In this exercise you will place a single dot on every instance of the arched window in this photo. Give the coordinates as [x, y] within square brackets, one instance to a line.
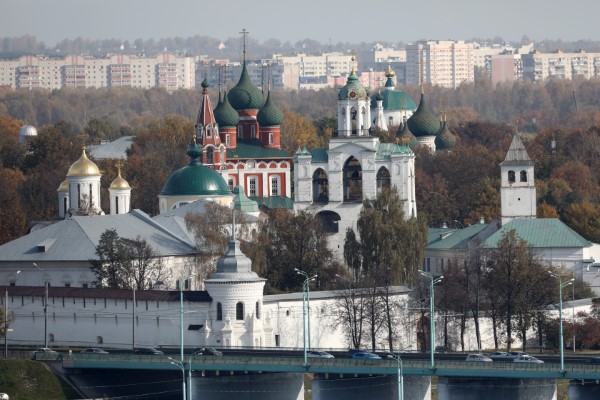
[239, 311]
[352, 180]
[383, 179]
[252, 186]
[275, 185]
[257, 310]
[320, 186]
[511, 176]
[523, 176]
[210, 155]
[219, 312]
[230, 183]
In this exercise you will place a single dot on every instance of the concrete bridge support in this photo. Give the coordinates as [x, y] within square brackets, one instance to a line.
[496, 389]
[584, 390]
[361, 387]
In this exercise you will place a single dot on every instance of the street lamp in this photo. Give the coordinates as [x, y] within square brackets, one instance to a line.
[561, 285]
[182, 367]
[306, 306]
[431, 312]
[6, 321]
[45, 307]
[400, 378]
[181, 280]
[190, 376]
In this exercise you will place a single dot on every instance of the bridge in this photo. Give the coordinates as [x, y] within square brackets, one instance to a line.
[343, 366]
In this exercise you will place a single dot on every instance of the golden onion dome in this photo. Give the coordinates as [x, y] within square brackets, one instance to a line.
[119, 183]
[83, 167]
[389, 73]
[64, 187]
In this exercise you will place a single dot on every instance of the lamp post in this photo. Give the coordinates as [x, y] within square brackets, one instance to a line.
[431, 313]
[400, 378]
[181, 280]
[306, 307]
[6, 321]
[182, 367]
[45, 307]
[561, 285]
[190, 376]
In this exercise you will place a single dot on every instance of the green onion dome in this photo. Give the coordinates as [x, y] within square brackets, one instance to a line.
[269, 115]
[353, 89]
[445, 140]
[204, 83]
[244, 95]
[225, 115]
[405, 137]
[423, 122]
[195, 179]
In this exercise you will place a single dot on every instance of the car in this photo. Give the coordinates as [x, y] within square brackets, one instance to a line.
[94, 350]
[388, 356]
[319, 354]
[43, 351]
[528, 359]
[595, 360]
[501, 356]
[365, 355]
[148, 350]
[207, 351]
[516, 354]
[478, 358]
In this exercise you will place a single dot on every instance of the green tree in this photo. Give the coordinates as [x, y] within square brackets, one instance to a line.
[113, 265]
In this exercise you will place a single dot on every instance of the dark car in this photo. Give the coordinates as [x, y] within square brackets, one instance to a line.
[365, 355]
[94, 350]
[207, 351]
[147, 350]
[595, 360]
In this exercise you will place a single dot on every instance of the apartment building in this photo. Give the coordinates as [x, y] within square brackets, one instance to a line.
[166, 70]
[539, 66]
[446, 63]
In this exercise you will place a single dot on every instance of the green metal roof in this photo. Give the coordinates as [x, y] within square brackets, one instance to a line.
[540, 233]
[243, 203]
[445, 140]
[423, 122]
[253, 149]
[353, 89]
[394, 100]
[274, 202]
[224, 113]
[244, 95]
[269, 115]
[385, 150]
[452, 238]
[319, 155]
[405, 137]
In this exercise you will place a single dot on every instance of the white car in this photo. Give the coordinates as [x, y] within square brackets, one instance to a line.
[528, 359]
[319, 354]
[478, 357]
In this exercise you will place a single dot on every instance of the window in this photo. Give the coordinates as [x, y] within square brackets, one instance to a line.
[257, 310]
[219, 312]
[210, 155]
[511, 176]
[274, 186]
[253, 132]
[230, 184]
[252, 184]
[227, 140]
[523, 176]
[239, 311]
[271, 139]
[239, 131]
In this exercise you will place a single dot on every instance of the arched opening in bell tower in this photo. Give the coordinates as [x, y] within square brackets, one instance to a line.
[352, 181]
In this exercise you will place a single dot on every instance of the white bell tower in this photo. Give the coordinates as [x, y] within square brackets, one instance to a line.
[517, 187]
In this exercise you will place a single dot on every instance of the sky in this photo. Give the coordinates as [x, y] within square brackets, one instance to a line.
[323, 20]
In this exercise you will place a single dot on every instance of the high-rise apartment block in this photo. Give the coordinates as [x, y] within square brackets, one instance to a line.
[166, 70]
[446, 63]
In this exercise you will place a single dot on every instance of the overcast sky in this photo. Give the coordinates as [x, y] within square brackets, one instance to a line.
[323, 20]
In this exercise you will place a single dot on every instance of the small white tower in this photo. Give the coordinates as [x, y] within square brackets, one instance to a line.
[120, 194]
[380, 121]
[84, 186]
[354, 109]
[63, 199]
[517, 186]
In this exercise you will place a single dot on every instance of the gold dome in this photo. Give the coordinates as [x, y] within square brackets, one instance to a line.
[83, 167]
[64, 187]
[389, 73]
[120, 183]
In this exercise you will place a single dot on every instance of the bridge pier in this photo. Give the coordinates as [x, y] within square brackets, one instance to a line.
[496, 389]
[361, 387]
[584, 389]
